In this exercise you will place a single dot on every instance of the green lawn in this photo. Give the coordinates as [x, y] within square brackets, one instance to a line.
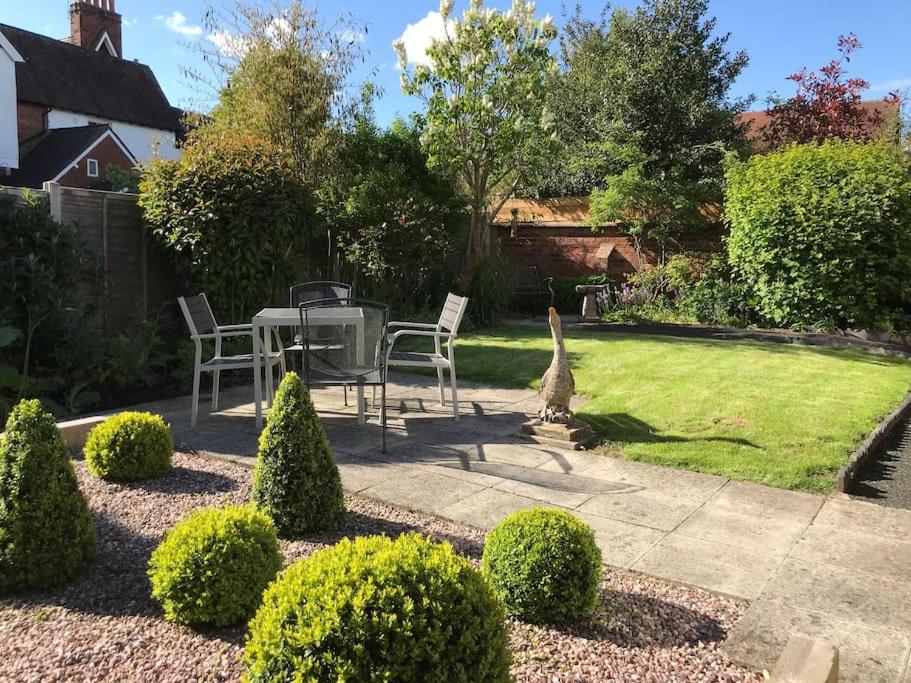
[776, 414]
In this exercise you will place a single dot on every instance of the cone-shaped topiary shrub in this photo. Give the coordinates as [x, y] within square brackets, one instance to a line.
[213, 566]
[46, 531]
[295, 480]
[544, 565]
[129, 446]
[373, 609]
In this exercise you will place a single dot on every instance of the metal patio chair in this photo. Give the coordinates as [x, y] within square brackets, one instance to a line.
[201, 321]
[319, 290]
[361, 359]
[447, 327]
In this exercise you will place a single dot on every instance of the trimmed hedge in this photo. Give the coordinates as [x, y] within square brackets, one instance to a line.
[46, 531]
[820, 234]
[129, 446]
[295, 480]
[213, 566]
[544, 565]
[373, 609]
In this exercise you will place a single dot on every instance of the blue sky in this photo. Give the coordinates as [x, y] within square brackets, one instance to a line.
[780, 36]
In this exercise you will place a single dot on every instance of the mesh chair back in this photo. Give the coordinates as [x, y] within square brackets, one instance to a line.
[318, 291]
[453, 310]
[198, 314]
[361, 358]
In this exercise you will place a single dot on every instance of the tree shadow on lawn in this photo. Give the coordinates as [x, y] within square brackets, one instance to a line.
[623, 427]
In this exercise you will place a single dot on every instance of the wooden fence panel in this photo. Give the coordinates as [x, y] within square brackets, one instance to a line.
[138, 277]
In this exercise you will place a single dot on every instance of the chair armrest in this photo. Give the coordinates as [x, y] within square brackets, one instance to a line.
[547, 282]
[236, 328]
[398, 323]
[421, 333]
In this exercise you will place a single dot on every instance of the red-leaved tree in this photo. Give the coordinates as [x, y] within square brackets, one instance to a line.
[827, 105]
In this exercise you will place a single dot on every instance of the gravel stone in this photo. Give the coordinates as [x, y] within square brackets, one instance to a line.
[104, 626]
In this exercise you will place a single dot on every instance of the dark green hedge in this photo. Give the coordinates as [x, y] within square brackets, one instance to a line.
[544, 565]
[296, 481]
[821, 234]
[46, 531]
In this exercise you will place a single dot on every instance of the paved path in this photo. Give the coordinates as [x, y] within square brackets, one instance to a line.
[835, 568]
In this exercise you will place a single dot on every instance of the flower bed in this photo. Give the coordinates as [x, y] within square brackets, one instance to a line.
[105, 626]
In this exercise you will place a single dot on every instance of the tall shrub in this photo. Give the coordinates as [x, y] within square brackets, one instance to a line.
[46, 530]
[295, 480]
[820, 234]
[233, 212]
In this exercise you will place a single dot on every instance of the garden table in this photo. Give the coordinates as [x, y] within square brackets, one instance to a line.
[268, 318]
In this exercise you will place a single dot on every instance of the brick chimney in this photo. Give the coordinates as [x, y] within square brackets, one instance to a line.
[91, 21]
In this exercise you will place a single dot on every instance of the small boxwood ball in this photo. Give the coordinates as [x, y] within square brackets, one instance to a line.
[129, 446]
[544, 565]
[373, 609]
[213, 566]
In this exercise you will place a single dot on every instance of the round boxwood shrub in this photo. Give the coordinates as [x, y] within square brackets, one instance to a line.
[544, 565]
[213, 566]
[129, 446]
[46, 530]
[295, 480]
[373, 609]
[819, 234]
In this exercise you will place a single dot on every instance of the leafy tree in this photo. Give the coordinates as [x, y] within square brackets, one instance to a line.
[232, 211]
[397, 221]
[827, 105]
[485, 120]
[579, 99]
[668, 74]
[279, 72]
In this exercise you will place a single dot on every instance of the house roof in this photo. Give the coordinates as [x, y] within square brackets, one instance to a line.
[59, 75]
[757, 121]
[57, 150]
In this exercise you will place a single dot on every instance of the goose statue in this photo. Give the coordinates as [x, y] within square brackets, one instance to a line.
[557, 384]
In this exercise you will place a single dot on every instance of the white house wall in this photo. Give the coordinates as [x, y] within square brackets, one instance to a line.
[143, 143]
[9, 132]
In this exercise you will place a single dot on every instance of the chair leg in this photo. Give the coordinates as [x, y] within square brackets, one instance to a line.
[215, 375]
[373, 400]
[455, 392]
[383, 415]
[194, 409]
[441, 383]
[346, 395]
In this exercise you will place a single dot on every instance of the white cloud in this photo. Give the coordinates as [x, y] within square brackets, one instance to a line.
[889, 86]
[177, 22]
[130, 23]
[235, 45]
[351, 36]
[417, 37]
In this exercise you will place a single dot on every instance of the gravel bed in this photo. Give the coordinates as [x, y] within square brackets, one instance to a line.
[886, 476]
[105, 626]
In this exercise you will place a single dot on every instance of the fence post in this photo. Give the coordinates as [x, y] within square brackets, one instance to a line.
[53, 198]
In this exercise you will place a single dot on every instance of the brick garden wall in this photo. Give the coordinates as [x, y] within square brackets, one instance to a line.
[553, 236]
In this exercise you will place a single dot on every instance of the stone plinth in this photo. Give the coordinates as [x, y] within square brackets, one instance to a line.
[574, 435]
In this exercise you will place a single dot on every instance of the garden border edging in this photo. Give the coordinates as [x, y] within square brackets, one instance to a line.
[845, 477]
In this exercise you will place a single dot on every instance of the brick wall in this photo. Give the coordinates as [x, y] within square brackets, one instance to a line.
[87, 21]
[31, 120]
[105, 152]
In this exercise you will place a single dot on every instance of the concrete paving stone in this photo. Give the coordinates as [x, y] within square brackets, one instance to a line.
[420, 490]
[486, 508]
[850, 514]
[621, 544]
[845, 594]
[881, 556]
[662, 506]
[866, 655]
[571, 462]
[359, 474]
[753, 517]
[724, 569]
[566, 499]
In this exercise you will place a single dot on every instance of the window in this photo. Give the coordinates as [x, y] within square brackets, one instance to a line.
[91, 168]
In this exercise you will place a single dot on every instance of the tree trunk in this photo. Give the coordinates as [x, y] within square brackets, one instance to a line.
[478, 245]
